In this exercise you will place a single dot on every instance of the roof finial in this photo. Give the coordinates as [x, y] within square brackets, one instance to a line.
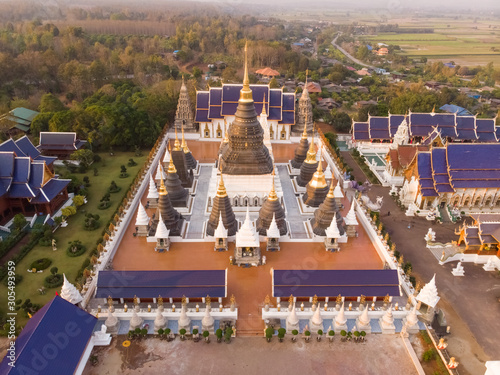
[226, 135]
[434, 109]
[163, 189]
[221, 190]
[184, 145]
[272, 195]
[246, 92]
[330, 192]
[177, 145]
[264, 105]
[307, 73]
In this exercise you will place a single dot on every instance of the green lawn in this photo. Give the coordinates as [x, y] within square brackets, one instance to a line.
[108, 169]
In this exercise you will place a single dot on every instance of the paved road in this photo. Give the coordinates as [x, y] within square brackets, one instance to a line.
[293, 215]
[350, 57]
[198, 217]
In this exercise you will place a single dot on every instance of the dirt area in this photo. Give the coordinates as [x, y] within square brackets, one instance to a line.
[422, 343]
[380, 355]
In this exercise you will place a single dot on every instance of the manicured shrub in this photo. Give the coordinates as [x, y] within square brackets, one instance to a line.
[41, 264]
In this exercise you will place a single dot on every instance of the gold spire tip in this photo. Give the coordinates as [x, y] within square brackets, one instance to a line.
[221, 189]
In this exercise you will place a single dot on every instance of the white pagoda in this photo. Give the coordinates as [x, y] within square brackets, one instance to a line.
[69, 292]
[247, 249]
[142, 221]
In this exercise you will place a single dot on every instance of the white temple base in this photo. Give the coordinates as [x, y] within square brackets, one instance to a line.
[339, 328]
[411, 329]
[291, 170]
[458, 272]
[387, 329]
[361, 327]
[291, 327]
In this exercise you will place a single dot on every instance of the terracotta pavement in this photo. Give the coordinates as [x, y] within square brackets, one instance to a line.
[249, 285]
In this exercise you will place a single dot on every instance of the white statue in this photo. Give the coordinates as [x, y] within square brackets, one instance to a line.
[372, 206]
[430, 236]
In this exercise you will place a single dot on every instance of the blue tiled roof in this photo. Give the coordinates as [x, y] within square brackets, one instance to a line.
[53, 340]
[10, 145]
[485, 130]
[394, 122]
[47, 159]
[36, 175]
[168, 284]
[202, 106]
[379, 127]
[471, 156]
[360, 131]
[21, 190]
[27, 147]
[329, 283]
[22, 169]
[223, 101]
[424, 165]
[50, 190]
[6, 164]
[466, 126]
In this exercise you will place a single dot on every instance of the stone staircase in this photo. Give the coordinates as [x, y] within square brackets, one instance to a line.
[250, 326]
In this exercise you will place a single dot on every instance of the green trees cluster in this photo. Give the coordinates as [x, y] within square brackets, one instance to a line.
[118, 115]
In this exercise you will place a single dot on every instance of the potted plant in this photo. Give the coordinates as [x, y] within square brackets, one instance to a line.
[307, 335]
[167, 332]
[218, 333]
[320, 334]
[294, 333]
[269, 334]
[206, 335]
[281, 334]
[343, 333]
[182, 332]
[196, 336]
[356, 335]
[349, 336]
[227, 335]
[160, 333]
[363, 334]
[331, 333]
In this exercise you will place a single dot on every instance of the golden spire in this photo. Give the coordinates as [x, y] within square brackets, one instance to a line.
[246, 92]
[311, 153]
[221, 190]
[330, 192]
[184, 144]
[177, 145]
[272, 195]
[307, 73]
[171, 167]
[318, 181]
[304, 133]
[264, 105]
[226, 135]
[434, 109]
[163, 189]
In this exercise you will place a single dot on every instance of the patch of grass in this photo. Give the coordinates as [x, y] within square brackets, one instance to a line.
[109, 168]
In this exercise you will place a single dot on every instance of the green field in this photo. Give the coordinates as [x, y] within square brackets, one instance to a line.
[108, 169]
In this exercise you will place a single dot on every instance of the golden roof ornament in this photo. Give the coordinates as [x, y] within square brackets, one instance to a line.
[232, 299]
[330, 192]
[304, 132]
[177, 145]
[163, 189]
[221, 189]
[290, 299]
[401, 260]
[160, 301]
[184, 143]
[362, 300]
[226, 135]
[387, 298]
[184, 300]
[110, 302]
[264, 105]
[272, 195]
[318, 180]
[171, 166]
[267, 300]
[315, 300]
[338, 299]
[208, 300]
[393, 247]
[246, 92]
[311, 153]
[136, 301]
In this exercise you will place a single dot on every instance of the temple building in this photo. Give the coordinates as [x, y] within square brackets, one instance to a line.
[465, 176]
[245, 162]
[23, 147]
[221, 208]
[29, 187]
[420, 125]
[184, 114]
[317, 188]
[172, 219]
[271, 210]
[326, 213]
[218, 105]
[304, 116]
[301, 151]
[178, 156]
[59, 144]
[247, 247]
[483, 234]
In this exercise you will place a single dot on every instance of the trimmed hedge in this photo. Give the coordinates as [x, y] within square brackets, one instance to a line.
[7, 244]
[41, 264]
[53, 281]
[24, 251]
[80, 249]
